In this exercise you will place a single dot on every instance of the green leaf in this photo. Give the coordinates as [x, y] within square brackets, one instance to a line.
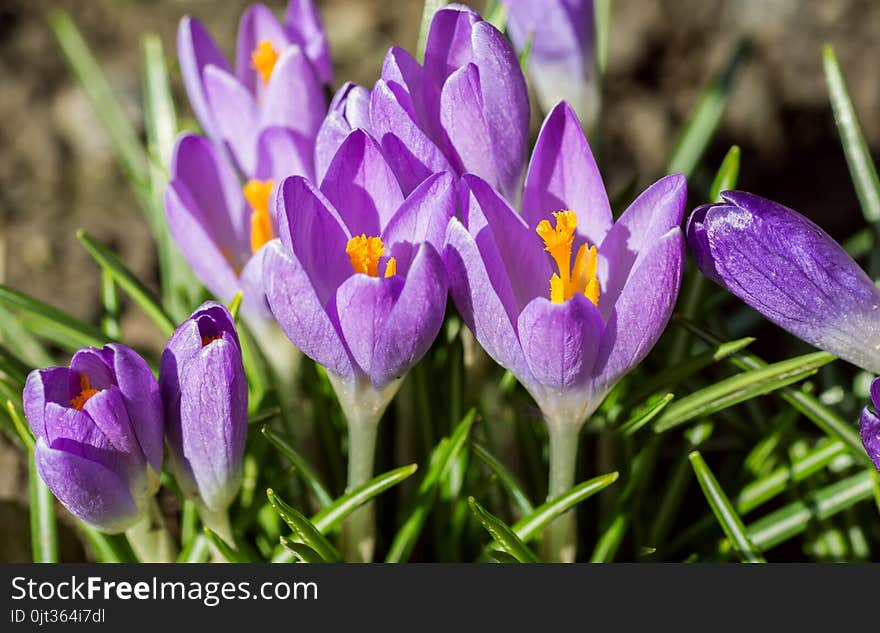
[301, 551]
[309, 474]
[501, 557]
[329, 517]
[111, 113]
[645, 414]
[529, 526]
[132, 286]
[727, 175]
[858, 155]
[728, 518]
[107, 548]
[503, 535]
[44, 534]
[703, 120]
[23, 430]
[110, 301]
[69, 330]
[235, 305]
[431, 7]
[495, 14]
[303, 529]
[505, 477]
[602, 12]
[21, 343]
[197, 550]
[793, 519]
[228, 552]
[609, 542]
[443, 457]
[739, 388]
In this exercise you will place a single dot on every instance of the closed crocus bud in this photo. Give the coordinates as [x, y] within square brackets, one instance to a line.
[98, 425]
[204, 391]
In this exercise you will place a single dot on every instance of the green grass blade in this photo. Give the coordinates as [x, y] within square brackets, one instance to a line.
[44, 534]
[643, 415]
[727, 175]
[69, 330]
[739, 388]
[23, 430]
[727, 517]
[197, 550]
[858, 156]
[228, 552]
[329, 517]
[305, 470]
[132, 286]
[610, 540]
[703, 120]
[108, 548]
[303, 529]
[602, 11]
[112, 308]
[505, 537]
[21, 343]
[431, 7]
[505, 478]
[301, 551]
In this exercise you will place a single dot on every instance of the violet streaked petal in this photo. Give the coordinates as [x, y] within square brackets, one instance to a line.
[299, 312]
[795, 274]
[281, 152]
[506, 104]
[478, 297]
[641, 312]
[90, 362]
[90, 491]
[421, 218]
[74, 431]
[520, 250]
[196, 50]
[463, 121]
[253, 301]
[257, 24]
[563, 174]
[41, 387]
[875, 393]
[414, 320]
[235, 114]
[303, 24]
[312, 229]
[869, 430]
[294, 98]
[448, 45]
[657, 210]
[109, 415]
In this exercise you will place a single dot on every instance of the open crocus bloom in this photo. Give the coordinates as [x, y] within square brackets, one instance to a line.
[869, 425]
[277, 82]
[99, 427]
[561, 295]
[356, 281]
[451, 113]
[792, 272]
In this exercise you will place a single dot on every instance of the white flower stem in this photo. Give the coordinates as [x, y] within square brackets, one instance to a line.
[559, 543]
[150, 539]
[359, 528]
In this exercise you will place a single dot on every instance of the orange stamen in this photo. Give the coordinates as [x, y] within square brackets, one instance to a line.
[257, 193]
[558, 241]
[263, 59]
[85, 392]
[365, 252]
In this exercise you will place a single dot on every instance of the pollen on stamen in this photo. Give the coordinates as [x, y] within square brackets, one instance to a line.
[257, 193]
[207, 340]
[558, 242]
[263, 59]
[85, 392]
[365, 252]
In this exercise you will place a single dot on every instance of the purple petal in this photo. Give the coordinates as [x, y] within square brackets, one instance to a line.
[92, 363]
[361, 185]
[311, 228]
[44, 386]
[281, 152]
[563, 175]
[304, 26]
[109, 415]
[418, 95]
[197, 50]
[253, 300]
[560, 342]
[299, 312]
[875, 392]
[90, 491]
[421, 218]
[258, 24]
[869, 429]
[641, 312]
[657, 210]
[349, 109]
[448, 46]
[414, 320]
[463, 120]
[520, 249]
[294, 97]
[483, 296]
[793, 273]
[235, 115]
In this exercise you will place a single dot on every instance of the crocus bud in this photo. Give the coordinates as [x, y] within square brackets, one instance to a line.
[98, 426]
[204, 391]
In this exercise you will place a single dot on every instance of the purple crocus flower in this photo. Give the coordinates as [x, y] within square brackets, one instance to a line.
[277, 81]
[450, 113]
[204, 391]
[349, 110]
[869, 425]
[792, 272]
[98, 425]
[561, 59]
[561, 295]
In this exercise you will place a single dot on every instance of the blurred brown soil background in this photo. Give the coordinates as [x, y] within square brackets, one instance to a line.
[58, 171]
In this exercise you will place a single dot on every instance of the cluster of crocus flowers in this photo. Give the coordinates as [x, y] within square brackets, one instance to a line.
[100, 425]
[357, 283]
[561, 295]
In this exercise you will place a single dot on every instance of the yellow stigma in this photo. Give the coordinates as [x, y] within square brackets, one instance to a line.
[263, 59]
[257, 192]
[558, 241]
[85, 392]
[365, 253]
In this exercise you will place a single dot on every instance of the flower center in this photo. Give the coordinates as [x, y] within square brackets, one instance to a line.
[257, 192]
[365, 253]
[207, 340]
[580, 278]
[85, 392]
[263, 59]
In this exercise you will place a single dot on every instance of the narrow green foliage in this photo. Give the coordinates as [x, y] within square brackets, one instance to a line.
[727, 175]
[645, 414]
[44, 533]
[503, 535]
[227, 551]
[431, 7]
[304, 530]
[61, 327]
[302, 466]
[505, 478]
